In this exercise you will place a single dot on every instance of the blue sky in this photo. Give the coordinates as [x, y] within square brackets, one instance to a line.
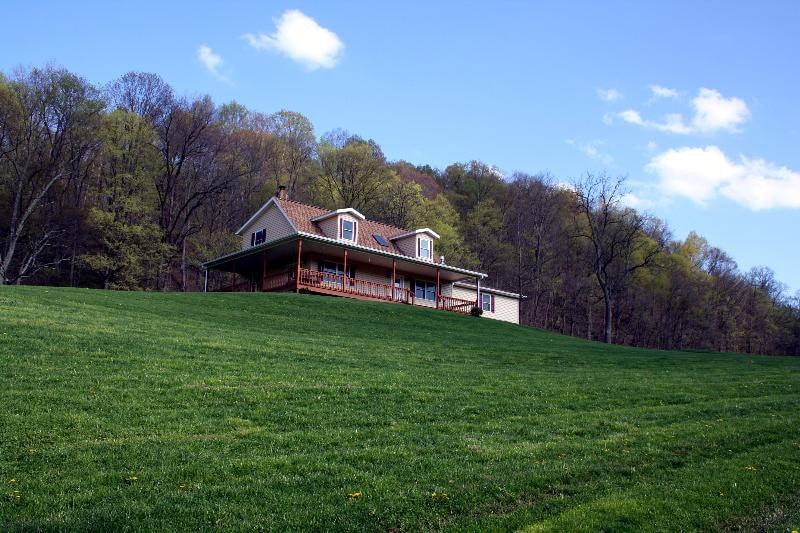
[696, 102]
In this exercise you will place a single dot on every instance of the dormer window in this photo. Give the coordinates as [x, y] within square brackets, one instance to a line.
[424, 248]
[347, 229]
[258, 237]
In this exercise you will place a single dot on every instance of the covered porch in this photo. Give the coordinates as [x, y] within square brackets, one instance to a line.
[323, 266]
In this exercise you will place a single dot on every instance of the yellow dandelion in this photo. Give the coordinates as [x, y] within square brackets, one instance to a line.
[354, 494]
[721, 493]
[13, 481]
[750, 468]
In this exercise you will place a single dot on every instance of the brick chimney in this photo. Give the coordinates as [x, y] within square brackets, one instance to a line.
[281, 193]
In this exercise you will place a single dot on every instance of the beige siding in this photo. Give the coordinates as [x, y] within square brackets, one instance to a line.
[330, 226]
[506, 308]
[408, 245]
[273, 221]
[463, 293]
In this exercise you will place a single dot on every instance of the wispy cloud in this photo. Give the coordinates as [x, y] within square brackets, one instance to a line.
[592, 151]
[701, 174]
[712, 112]
[609, 95]
[302, 39]
[673, 122]
[212, 61]
[662, 92]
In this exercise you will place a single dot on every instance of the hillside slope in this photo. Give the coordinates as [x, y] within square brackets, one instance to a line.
[279, 411]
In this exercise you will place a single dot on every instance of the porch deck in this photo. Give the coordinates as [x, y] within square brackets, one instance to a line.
[339, 285]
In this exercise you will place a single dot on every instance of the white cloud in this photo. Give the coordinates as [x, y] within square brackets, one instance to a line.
[712, 112]
[636, 202]
[609, 95]
[299, 37]
[592, 151]
[673, 122]
[663, 92]
[702, 174]
[211, 61]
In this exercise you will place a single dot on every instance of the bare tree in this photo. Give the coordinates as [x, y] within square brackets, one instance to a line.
[143, 93]
[46, 119]
[616, 236]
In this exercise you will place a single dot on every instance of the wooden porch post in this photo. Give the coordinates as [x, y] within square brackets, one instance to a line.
[263, 270]
[438, 288]
[205, 281]
[478, 295]
[297, 278]
[394, 279]
[344, 276]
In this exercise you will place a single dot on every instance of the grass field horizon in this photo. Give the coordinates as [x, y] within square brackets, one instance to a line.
[135, 410]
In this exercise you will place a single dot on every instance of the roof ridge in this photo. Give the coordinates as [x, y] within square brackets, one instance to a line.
[331, 210]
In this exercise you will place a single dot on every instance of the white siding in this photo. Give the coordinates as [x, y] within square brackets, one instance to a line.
[273, 221]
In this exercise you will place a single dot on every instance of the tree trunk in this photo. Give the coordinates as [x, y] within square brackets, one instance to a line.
[183, 266]
[608, 317]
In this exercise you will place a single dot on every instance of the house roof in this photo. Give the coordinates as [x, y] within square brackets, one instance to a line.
[303, 217]
[490, 290]
[345, 211]
[428, 231]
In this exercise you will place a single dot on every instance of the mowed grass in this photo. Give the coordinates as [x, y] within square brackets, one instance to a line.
[148, 411]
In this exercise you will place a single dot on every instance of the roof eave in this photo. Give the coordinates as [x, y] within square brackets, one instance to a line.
[319, 238]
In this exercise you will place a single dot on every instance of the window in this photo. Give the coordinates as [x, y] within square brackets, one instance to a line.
[424, 248]
[329, 267]
[258, 237]
[348, 229]
[380, 240]
[487, 301]
[425, 290]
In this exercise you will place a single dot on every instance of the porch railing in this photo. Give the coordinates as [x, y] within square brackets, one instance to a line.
[277, 281]
[354, 286]
[240, 286]
[457, 305]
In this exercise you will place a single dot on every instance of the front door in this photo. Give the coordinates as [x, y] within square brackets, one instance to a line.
[399, 285]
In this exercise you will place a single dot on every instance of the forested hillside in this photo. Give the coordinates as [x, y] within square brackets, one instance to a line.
[130, 186]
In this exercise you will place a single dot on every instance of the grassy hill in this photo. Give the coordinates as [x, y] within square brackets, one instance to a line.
[279, 411]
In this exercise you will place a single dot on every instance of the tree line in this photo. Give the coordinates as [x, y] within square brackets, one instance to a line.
[130, 186]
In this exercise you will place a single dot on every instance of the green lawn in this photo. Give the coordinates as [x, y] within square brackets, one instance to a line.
[246, 411]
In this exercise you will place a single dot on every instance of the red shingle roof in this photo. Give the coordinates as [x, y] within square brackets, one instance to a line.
[301, 214]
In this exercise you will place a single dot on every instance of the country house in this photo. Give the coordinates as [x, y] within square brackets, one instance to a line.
[288, 245]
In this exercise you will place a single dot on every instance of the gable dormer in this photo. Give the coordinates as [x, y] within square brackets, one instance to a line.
[417, 244]
[342, 224]
[267, 224]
